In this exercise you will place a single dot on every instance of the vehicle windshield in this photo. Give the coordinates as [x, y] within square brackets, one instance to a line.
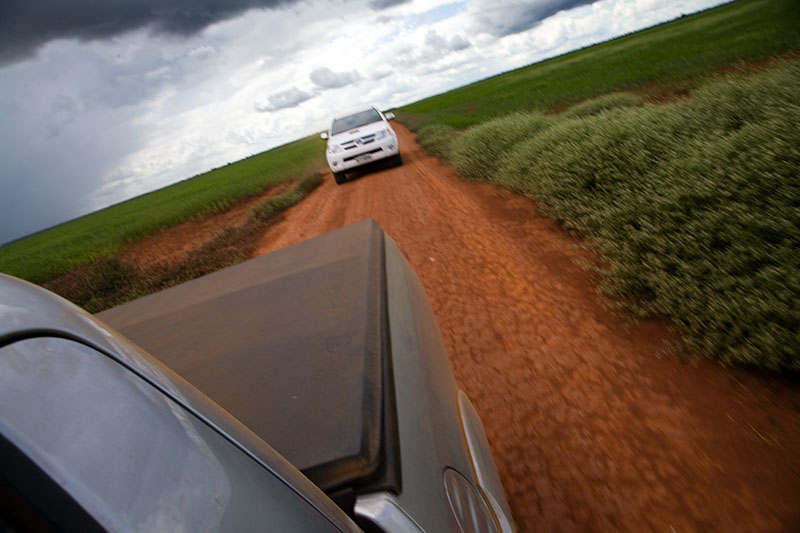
[354, 121]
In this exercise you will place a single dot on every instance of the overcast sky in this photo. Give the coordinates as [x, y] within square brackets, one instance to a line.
[101, 101]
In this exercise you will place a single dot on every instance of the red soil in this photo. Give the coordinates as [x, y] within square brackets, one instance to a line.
[594, 424]
[173, 244]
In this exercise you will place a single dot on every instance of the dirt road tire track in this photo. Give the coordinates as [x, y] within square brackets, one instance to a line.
[592, 428]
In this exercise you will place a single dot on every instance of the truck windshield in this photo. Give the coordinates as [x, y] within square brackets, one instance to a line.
[354, 121]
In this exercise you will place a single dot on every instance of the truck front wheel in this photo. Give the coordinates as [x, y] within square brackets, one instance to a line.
[339, 177]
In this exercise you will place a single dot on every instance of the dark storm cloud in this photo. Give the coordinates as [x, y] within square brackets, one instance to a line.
[284, 99]
[514, 16]
[325, 78]
[383, 4]
[27, 24]
[49, 178]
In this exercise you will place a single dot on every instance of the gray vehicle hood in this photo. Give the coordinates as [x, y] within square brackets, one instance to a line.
[291, 343]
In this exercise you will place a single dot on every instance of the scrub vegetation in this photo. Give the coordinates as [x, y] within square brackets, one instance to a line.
[479, 149]
[49, 253]
[602, 103]
[109, 281]
[676, 151]
[694, 204]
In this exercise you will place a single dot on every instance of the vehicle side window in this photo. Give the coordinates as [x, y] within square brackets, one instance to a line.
[126, 454]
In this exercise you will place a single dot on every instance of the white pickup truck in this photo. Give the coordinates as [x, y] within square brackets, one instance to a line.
[359, 138]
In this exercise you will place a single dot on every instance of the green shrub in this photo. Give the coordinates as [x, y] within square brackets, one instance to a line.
[728, 104]
[309, 183]
[579, 166]
[273, 207]
[602, 103]
[722, 255]
[436, 139]
[695, 205]
[480, 149]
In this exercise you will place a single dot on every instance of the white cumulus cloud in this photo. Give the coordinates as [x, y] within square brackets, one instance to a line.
[281, 100]
[325, 78]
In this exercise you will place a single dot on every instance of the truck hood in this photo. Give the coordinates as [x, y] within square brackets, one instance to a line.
[358, 133]
[293, 344]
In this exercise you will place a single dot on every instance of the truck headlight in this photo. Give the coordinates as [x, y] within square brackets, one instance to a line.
[334, 148]
[381, 134]
[467, 504]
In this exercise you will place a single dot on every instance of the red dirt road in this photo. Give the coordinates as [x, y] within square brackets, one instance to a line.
[593, 428]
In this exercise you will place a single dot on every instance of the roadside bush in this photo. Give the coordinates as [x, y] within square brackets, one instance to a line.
[580, 167]
[729, 104]
[229, 246]
[695, 206]
[479, 150]
[721, 254]
[437, 139]
[309, 183]
[602, 103]
[273, 207]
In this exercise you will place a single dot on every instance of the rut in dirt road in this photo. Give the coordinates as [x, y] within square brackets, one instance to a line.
[593, 428]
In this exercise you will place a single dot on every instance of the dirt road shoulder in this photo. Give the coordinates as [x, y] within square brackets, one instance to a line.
[593, 427]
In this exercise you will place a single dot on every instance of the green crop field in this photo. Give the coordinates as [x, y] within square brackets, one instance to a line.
[693, 202]
[110, 280]
[675, 150]
[665, 59]
[46, 254]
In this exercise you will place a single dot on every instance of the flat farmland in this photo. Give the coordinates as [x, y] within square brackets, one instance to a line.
[44, 255]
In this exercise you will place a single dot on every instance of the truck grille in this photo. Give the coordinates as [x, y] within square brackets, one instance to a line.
[363, 153]
[361, 141]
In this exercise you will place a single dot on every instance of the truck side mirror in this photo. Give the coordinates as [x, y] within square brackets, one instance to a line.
[323, 136]
[389, 115]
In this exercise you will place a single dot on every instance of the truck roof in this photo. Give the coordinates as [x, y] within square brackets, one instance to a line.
[354, 111]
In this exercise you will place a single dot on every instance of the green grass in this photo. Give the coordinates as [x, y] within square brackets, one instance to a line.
[47, 254]
[273, 207]
[109, 281]
[694, 205]
[669, 58]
